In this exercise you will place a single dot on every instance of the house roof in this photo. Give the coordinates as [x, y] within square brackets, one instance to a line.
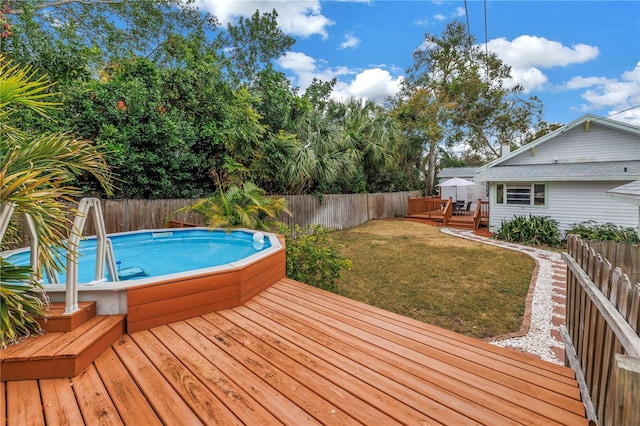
[628, 193]
[589, 118]
[605, 170]
[460, 172]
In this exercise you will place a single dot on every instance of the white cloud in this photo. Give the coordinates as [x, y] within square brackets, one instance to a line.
[616, 95]
[460, 12]
[530, 51]
[577, 83]
[350, 41]
[528, 55]
[373, 83]
[299, 18]
[297, 62]
[439, 17]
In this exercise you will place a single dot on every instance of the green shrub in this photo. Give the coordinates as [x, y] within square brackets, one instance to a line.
[590, 230]
[313, 257]
[533, 230]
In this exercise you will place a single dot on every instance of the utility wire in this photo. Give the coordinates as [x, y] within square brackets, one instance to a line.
[486, 33]
[466, 12]
[624, 110]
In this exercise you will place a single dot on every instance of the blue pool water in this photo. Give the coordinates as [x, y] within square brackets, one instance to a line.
[151, 254]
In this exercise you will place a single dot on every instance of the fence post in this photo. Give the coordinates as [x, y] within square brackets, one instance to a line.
[627, 392]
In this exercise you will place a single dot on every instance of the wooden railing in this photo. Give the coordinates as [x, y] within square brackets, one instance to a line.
[426, 205]
[601, 336]
[447, 210]
[481, 214]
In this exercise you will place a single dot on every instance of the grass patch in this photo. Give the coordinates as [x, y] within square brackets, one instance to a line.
[416, 271]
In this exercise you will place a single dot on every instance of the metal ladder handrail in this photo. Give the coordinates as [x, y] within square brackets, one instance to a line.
[5, 214]
[104, 251]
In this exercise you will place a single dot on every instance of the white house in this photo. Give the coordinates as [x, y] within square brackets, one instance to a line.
[568, 175]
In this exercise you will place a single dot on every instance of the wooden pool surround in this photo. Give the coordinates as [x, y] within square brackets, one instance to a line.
[167, 301]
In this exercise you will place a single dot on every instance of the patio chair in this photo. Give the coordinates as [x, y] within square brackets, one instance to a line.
[458, 207]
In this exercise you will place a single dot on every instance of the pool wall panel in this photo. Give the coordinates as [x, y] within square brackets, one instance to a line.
[261, 275]
[166, 289]
[155, 304]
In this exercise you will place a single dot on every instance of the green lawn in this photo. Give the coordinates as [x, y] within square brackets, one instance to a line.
[415, 270]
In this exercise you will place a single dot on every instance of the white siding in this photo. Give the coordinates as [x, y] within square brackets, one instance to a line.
[569, 203]
[598, 144]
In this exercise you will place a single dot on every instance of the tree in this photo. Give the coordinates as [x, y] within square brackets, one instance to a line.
[251, 45]
[417, 113]
[370, 137]
[37, 173]
[75, 39]
[463, 89]
[317, 155]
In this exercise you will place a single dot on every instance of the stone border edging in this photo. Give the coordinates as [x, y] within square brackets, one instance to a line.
[535, 336]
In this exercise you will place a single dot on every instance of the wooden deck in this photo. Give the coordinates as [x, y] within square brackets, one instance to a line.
[298, 355]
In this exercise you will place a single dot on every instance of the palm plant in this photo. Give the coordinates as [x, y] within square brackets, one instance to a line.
[245, 206]
[319, 156]
[37, 176]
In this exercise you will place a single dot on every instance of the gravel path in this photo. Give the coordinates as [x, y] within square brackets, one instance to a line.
[545, 304]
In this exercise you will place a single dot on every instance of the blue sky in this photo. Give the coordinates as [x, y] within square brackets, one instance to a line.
[578, 57]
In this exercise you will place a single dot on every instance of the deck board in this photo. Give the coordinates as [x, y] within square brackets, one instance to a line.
[471, 362]
[51, 350]
[454, 389]
[59, 402]
[357, 379]
[168, 405]
[294, 354]
[93, 399]
[221, 351]
[427, 331]
[200, 399]
[23, 403]
[124, 392]
[25, 349]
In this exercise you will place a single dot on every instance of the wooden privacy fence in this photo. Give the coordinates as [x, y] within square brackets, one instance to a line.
[603, 322]
[334, 211]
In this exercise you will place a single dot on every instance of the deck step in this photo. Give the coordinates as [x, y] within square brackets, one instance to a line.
[57, 320]
[61, 354]
[460, 224]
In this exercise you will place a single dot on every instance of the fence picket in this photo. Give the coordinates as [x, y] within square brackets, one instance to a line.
[333, 211]
[634, 310]
[603, 318]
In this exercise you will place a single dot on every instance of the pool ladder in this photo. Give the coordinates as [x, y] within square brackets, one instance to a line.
[104, 251]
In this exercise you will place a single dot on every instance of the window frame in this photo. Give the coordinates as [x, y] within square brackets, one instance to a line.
[509, 193]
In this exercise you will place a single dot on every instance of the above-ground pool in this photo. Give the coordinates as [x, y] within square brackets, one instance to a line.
[171, 274]
[144, 254]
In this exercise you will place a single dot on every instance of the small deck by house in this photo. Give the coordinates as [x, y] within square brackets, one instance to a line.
[294, 354]
[449, 213]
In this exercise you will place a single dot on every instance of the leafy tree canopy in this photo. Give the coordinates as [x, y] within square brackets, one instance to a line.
[70, 39]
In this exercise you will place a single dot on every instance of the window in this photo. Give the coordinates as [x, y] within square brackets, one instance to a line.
[518, 194]
[500, 193]
[538, 194]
